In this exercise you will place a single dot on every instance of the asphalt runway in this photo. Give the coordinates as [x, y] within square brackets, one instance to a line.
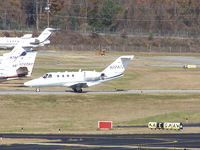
[97, 142]
[176, 59]
[117, 91]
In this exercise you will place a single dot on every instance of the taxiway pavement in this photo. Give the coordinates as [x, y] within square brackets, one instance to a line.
[97, 142]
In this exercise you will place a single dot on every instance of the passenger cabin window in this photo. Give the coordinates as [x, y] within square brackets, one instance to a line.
[72, 75]
[45, 76]
[50, 76]
[58, 76]
[63, 76]
[67, 75]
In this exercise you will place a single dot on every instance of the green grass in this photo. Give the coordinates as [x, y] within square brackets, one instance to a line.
[168, 117]
[72, 112]
[81, 112]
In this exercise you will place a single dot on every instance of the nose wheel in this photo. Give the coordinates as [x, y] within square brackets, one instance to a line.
[37, 89]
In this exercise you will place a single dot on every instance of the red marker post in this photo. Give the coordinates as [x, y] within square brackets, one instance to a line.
[105, 124]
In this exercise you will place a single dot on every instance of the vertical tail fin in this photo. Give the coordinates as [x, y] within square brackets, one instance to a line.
[27, 62]
[16, 52]
[19, 67]
[45, 35]
[118, 66]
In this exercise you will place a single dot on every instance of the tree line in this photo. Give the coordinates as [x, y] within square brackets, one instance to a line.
[111, 15]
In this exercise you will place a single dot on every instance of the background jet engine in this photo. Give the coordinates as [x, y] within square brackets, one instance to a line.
[35, 42]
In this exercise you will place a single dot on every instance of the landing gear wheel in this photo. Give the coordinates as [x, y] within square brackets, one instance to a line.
[77, 90]
[37, 90]
[74, 90]
[80, 91]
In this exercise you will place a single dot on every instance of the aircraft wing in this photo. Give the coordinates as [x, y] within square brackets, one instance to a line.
[27, 36]
[74, 85]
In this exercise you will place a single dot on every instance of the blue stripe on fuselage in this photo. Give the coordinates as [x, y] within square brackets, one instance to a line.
[113, 77]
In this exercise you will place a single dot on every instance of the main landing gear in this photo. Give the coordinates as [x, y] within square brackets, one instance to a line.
[77, 90]
[37, 90]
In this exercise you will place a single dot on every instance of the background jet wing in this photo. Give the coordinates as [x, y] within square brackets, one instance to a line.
[27, 36]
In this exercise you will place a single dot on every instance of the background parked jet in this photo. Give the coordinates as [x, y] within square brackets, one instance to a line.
[82, 79]
[21, 66]
[27, 41]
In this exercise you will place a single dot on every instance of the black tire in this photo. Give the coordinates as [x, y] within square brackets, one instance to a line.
[75, 90]
[80, 91]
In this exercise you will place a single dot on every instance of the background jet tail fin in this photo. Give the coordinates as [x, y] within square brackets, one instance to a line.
[24, 62]
[20, 66]
[118, 66]
[16, 52]
[28, 62]
[45, 35]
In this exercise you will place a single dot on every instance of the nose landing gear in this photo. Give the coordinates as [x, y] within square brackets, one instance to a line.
[37, 89]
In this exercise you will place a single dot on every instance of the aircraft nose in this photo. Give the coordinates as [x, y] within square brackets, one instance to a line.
[28, 83]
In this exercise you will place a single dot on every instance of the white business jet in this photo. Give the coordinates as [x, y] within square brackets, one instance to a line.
[27, 41]
[82, 79]
[18, 67]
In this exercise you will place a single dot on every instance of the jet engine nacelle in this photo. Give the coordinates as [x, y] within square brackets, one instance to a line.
[93, 76]
[35, 42]
[45, 43]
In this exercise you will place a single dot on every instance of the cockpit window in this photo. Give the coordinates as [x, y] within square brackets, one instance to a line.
[45, 76]
[50, 76]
